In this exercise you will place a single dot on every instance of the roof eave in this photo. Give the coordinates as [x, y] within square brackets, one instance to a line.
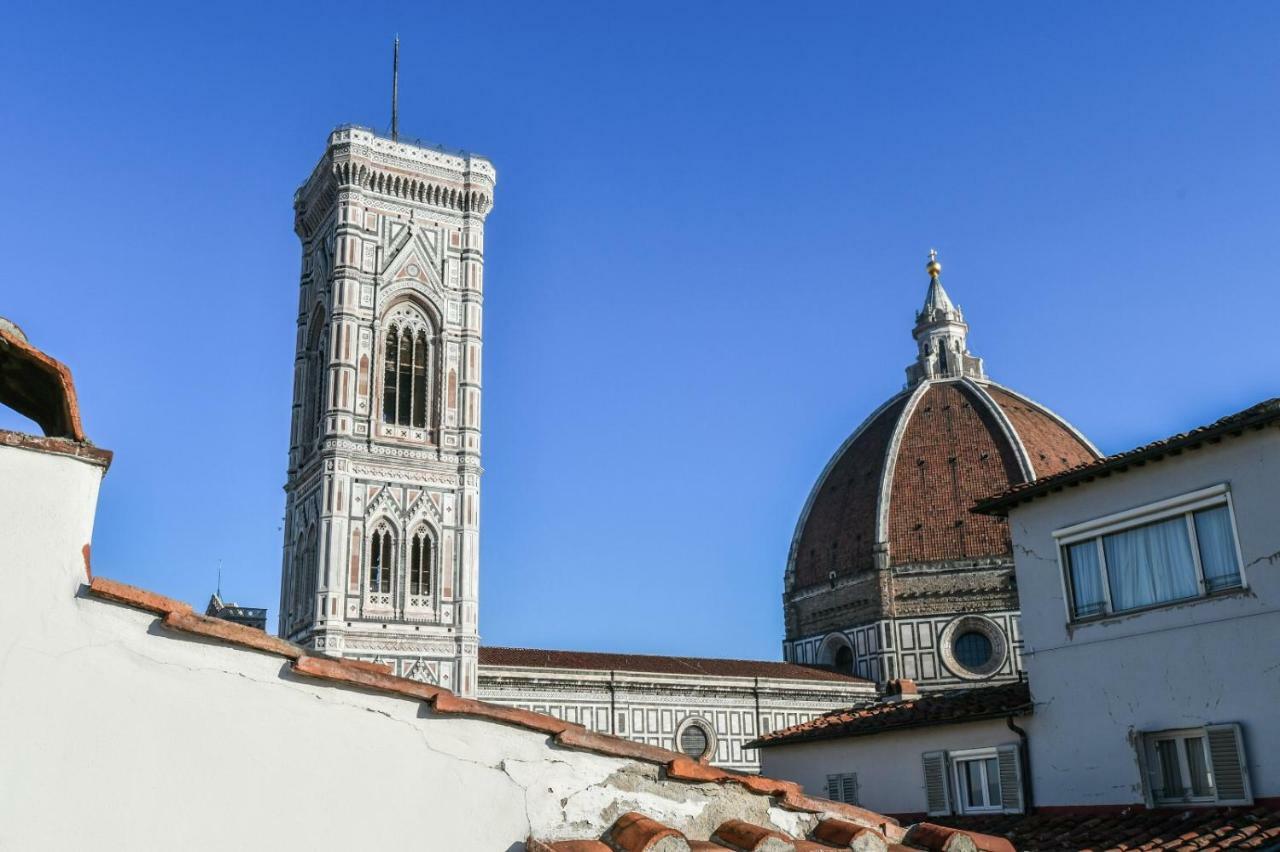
[1020, 710]
[1000, 504]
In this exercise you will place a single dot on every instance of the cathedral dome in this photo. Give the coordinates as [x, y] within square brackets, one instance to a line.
[898, 491]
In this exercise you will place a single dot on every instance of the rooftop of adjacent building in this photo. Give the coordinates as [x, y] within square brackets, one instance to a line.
[654, 664]
[908, 709]
[1251, 419]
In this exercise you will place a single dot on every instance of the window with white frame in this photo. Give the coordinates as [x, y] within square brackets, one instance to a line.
[1175, 550]
[843, 787]
[973, 781]
[1196, 766]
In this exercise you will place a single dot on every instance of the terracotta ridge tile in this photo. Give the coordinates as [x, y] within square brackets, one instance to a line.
[57, 446]
[328, 668]
[123, 593]
[766, 786]
[229, 631]
[686, 769]
[850, 835]
[941, 838]
[740, 834]
[449, 703]
[614, 746]
[379, 668]
[885, 824]
[533, 845]
[634, 832]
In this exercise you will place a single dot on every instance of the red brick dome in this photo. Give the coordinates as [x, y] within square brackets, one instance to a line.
[903, 483]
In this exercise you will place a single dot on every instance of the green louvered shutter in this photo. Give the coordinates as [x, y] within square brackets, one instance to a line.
[1226, 757]
[1010, 760]
[937, 800]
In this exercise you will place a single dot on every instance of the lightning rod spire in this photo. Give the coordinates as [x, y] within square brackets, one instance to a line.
[395, 91]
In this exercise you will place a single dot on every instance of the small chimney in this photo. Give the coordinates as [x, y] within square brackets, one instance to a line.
[901, 689]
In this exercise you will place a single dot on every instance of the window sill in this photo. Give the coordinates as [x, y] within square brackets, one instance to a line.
[1199, 802]
[1107, 617]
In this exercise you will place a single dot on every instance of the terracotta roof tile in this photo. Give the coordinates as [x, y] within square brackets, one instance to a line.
[123, 593]
[1255, 417]
[652, 664]
[635, 831]
[935, 708]
[1135, 828]
[927, 835]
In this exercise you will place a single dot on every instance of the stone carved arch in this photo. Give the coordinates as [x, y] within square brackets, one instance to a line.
[382, 560]
[837, 652]
[384, 503]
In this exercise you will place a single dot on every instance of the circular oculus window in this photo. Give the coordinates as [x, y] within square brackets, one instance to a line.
[695, 739]
[974, 647]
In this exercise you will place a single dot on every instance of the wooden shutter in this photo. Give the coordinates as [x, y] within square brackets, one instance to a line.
[1226, 759]
[1010, 759]
[843, 787]
[1142, 744]
[937, 800]
[849, 788]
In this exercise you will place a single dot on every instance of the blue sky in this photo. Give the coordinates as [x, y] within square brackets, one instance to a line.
[708, 243]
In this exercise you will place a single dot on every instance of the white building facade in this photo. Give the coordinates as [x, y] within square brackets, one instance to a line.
[708, 709]
[381, 548]
[1150, 589]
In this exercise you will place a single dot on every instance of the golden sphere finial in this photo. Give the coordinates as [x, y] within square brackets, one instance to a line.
[933, 267]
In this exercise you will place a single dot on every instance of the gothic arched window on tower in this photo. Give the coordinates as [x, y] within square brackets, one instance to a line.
[419, 567]
[313, 404]
[404, 379]
[382, 560]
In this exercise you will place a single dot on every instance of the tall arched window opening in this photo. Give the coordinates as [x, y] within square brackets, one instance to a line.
[310, 586]
[420, 564]
[382, 549]
[406, 368]
[313, 402]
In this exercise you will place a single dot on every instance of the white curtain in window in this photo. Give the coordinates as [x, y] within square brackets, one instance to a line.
[1150, 564]
[1086, 578]
[1217, 548]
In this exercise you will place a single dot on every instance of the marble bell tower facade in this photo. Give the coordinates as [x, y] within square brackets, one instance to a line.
[381, 547]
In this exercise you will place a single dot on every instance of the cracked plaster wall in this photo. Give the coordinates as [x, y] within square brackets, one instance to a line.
[116, 734]
[1203, 662]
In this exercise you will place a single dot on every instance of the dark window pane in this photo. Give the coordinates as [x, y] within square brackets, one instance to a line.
[973, 650]
[694, 742]
[406, 368]
[1217, 544]
[389, 378]
[415, 565]
[420, 353]
[1197, 767]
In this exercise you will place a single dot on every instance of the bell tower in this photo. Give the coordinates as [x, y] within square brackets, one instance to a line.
[381, 548]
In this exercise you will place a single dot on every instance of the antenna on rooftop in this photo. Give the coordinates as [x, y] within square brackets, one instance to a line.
[219, 592]
[395, 91]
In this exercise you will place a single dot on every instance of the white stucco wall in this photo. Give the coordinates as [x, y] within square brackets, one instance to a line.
[890, 772]
[117, 734]
[1187, 665]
